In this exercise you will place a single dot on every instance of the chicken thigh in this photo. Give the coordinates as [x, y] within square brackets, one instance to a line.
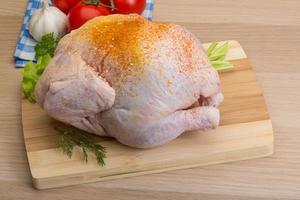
[125, 77]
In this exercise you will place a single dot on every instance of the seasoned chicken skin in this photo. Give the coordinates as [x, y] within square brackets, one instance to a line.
[125, 77]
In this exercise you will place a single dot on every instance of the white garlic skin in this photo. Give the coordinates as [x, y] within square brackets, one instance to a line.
[48, 19]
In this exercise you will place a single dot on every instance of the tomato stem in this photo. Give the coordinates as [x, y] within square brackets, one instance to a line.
[106, 6]
[112, 5]
[99, 3]
[91, 2]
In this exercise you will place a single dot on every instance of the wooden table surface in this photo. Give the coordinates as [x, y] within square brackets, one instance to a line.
[269, 31]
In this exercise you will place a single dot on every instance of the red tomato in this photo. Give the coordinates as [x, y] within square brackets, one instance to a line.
[83, 12]
[65, 5]
[127, 6]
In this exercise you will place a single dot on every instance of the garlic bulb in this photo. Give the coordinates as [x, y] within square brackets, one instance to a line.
[47, 19]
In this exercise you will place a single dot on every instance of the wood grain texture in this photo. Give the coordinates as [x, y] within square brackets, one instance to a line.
[272, 42]
[245, 132]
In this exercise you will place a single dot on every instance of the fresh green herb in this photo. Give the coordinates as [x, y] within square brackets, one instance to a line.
[47, 45]
[71, 136]
[65, 145]
[216, 54]
[31, 75]
[44, 51]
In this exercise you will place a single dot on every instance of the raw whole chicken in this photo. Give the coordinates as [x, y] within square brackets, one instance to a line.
[125, 77]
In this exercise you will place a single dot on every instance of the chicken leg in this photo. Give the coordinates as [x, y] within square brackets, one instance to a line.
[165, 129]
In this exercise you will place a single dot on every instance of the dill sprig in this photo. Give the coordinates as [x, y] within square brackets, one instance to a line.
[65, 145]
[70, 136]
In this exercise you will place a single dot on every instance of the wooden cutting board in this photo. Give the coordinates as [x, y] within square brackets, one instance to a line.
[245, 132]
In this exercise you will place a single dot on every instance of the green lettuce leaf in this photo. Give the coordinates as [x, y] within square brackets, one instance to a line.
[31, 75]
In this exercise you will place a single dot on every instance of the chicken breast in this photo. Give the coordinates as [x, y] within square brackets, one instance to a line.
[125, 77]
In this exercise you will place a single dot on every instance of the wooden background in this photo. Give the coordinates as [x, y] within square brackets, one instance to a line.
[269, 31]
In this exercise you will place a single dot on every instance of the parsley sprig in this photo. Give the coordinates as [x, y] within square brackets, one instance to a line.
[47, 45]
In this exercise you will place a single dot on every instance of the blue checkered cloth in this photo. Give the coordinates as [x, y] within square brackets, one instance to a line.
[25, 47]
